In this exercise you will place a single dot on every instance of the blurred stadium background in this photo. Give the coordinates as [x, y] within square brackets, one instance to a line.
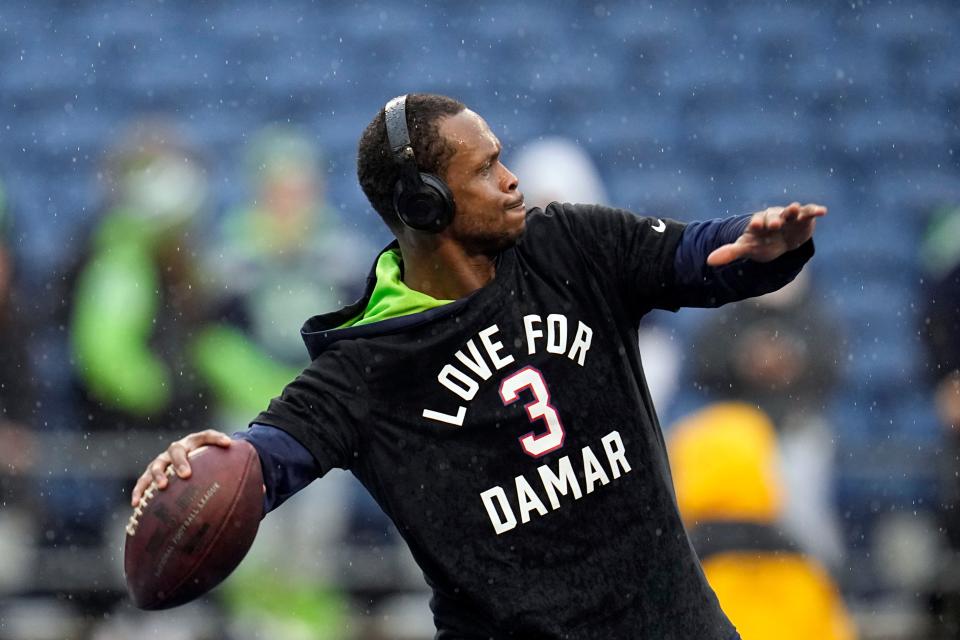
[689, 109]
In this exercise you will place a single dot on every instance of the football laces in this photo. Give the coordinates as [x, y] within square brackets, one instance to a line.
[134, 520]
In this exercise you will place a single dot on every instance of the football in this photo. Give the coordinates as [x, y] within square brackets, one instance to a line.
[184, 540]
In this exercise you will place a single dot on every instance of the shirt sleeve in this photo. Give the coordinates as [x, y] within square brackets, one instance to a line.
[656, 263]
[699, 285]
[321, 409]
[634, 253]
[286, 464]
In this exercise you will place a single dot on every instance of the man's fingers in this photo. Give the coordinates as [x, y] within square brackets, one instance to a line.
[812, 211]
[772, 218]
[207, 437]
[181, 449]
[142, 483]
[791, 212]
[158, 469]
[725, 254]
[758, 222]
[154, 473]
[178, 456]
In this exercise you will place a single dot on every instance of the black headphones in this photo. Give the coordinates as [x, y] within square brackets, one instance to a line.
[422, 201]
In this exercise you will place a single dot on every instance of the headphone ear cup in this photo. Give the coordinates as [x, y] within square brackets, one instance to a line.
[447, 206]
[429, 208]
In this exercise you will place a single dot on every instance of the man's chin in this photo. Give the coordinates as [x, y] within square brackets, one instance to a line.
[513, 235]
[492, 245]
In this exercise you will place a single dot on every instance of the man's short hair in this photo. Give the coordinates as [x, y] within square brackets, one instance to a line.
[376, 170]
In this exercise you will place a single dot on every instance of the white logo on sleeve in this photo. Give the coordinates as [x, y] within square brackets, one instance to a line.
[660, 227]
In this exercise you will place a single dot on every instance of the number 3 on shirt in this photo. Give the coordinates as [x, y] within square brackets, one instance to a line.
[540, 409]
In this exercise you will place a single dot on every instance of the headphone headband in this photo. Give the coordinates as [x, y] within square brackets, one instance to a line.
[398, 137]
[395, 114]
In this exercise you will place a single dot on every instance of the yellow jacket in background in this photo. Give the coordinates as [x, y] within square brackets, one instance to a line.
[730, 493]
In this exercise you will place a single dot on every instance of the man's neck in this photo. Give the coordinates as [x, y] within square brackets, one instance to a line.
[445, 270]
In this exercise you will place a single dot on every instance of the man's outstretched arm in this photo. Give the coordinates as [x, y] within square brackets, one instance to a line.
[770, 234]
[722, 261]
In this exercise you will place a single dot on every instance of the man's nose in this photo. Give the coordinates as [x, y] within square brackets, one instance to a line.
[511, 182]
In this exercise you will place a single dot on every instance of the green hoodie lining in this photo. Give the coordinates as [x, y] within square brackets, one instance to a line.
[391, 298]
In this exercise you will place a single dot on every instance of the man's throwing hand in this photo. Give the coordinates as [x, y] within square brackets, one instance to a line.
[176, 455]
[770, 234]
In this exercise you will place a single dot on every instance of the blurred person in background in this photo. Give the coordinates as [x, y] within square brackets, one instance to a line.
[140, 299]
[730, 492]
[941, 333]
[285, 254]
[557, 169]
[277, 260]
[136, 307]
[781, 352]
[17, 420]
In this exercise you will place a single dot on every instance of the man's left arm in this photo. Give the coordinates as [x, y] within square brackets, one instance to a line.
[721, 261]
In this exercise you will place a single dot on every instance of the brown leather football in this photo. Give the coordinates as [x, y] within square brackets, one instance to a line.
[183, 541]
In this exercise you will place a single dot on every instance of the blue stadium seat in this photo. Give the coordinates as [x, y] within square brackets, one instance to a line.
[848, 67]
[106, 20]
[42, 69]
[640, 129]
[48, 215]
[916, 419]
[219, 131]
[799, 177]
[871, 299]
[686, 72]
[696, 104]
[914, 192]
[885, 365]
[665, 192]
[502, 20]
[940, 81]
[912, 21]
[894, 137]
[248, 21]
[880, 464]
[627, 22]
[759, 24]
[853, 420]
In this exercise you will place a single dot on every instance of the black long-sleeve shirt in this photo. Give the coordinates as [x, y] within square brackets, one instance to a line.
[510, 435]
